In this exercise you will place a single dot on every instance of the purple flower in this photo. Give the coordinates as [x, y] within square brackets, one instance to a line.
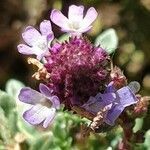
[118, 100]
[77, 70]
[37, 43]
[43, 105]
[76, 23]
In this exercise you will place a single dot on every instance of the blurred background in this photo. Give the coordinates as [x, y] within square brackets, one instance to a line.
[131, 19]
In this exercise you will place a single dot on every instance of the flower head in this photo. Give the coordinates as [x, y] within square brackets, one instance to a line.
[43, 105]
[77, 70]
[37, 43]
[76, 23]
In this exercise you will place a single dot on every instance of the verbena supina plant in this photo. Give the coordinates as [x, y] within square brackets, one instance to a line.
[76, 73]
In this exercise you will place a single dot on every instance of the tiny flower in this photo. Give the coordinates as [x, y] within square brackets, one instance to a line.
[118, 100]
[37, 43]
[43, 105]
[76, 23]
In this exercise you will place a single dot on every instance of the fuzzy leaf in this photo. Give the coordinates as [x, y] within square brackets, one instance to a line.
[46, 144]
[147, 140]
[13, 87]
[6, 102]
[5, 133]
[12, 119]
[2, 147]
[38, 142]
[138, 124]
[27, 129]
[107, 40]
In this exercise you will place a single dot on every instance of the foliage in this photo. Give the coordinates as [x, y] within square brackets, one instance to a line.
[108, 40]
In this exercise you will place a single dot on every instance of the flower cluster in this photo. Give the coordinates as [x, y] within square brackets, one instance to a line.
[77, 70]
[77, 73]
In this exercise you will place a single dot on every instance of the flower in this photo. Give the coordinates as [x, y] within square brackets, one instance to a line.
[117, 100]
[77, 71]
[43, 105]
[75, 23]
[37, 44]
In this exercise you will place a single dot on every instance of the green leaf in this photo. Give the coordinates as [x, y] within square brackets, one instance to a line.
[39, 142]
[5, 133]
[30, 131]
[63, 38]
[138, 124]
[2, 147]
[12, 119]
[6, 102]
[107, 40]
[147, 140]
[13, 87]
[2, 115]
[46, 144]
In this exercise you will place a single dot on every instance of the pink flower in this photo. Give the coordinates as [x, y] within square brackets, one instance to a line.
[77, 71]
[37, 43]
[75, 23]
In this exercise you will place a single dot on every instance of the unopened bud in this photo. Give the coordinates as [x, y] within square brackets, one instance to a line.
[134, 86]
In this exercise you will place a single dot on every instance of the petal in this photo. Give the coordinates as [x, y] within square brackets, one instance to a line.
[91, 100]
[55, 101]
[48, 93]
[45, 27]
[110, 88]
[45, 90]
[98, 95]
[103, 100]
[30, 96]
[40, 55]
[36, 115]
[59, 19]
[113, 114]
[24, 49]
[107, 98]
[90, 16]
[30, 35]
[75, 13]
[50, 37]
[83, 29]
[50, 118]
[41, 47]
[126, 97]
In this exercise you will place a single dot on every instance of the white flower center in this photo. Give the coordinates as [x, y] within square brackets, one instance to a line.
[74, 25]
[41, 43]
